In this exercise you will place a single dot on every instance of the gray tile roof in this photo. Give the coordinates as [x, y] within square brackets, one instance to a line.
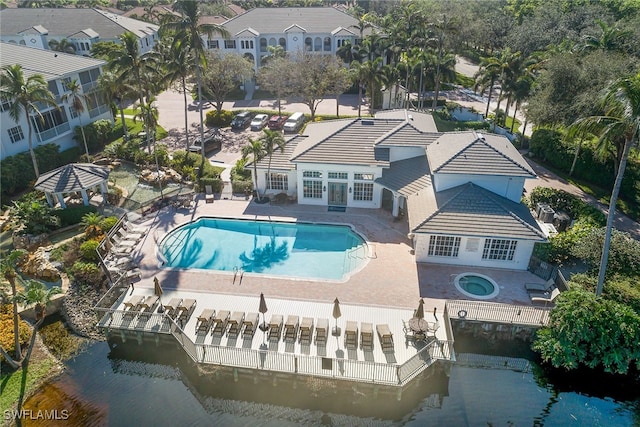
[72, 177]
[470, 210]
[352, 143]
[407, 135]
[280, 160]
[407, 177]
[477, 154]
[51, 65]
[421, 121]
[65, 22]
[277, 19]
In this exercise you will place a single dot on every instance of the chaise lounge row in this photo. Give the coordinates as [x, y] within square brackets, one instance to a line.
[366, 335]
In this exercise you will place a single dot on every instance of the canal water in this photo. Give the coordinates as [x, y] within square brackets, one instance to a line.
[132, 386]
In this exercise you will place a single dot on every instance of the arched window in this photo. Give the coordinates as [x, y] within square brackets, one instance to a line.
[263, 44]
[307, 44]
[272, 41]
[317, 44]
[327, 44]
[283, 42]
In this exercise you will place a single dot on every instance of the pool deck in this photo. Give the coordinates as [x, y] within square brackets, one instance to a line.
[390, 278]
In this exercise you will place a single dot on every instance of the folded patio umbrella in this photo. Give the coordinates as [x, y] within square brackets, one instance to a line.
[420, 310]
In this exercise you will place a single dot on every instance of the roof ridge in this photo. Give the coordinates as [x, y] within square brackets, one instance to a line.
[455, 155]
[461, 187]
[502, 154]
[500, 203]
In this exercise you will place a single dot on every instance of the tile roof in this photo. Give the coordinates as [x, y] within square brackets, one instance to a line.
[51, 65]
[277, 19]
[63, 22]
[72, 177]
[406, 135]
[280, 160]
[407, 177]
[471, 210]
[477, 154]
[353, 143]
[421, 121]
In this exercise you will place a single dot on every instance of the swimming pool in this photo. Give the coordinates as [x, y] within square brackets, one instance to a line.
[304, 250]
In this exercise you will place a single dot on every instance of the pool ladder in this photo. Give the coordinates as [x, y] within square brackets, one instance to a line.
[235, 274]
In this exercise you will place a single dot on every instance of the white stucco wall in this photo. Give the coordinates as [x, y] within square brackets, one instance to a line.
[509, 187]
[468, 256]
[292, 183]
[401, 153]
[350, 169]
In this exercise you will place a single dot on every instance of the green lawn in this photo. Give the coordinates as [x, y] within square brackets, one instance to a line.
[11, 383]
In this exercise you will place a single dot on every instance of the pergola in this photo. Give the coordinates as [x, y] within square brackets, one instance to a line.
[72, 178]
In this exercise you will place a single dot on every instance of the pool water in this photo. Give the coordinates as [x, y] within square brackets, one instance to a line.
[476, 285]
[318, 251]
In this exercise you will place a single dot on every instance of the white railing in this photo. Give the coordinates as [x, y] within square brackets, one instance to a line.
[497, 313]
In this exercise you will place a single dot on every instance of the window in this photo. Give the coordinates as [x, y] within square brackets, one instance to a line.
[246, 44]
[73, 112]
[15, 134]
[308, 44]
[213, 44]
[363, 191]
[272, 41]
[499, 249]
[338, 175]
[363, 176]
[311, 174]
[263, 44]
[53, 87]
[50, 119]
[5, 104]
[327, 44]
[229, 44]
[317, 44]
[65, 83]
[444, 246]
[278, 181]
[283, 42]
[312, 189]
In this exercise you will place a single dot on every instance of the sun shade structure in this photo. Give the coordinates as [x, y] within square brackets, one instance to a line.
[72, 178]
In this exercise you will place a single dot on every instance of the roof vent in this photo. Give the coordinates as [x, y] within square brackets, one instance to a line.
[368, 122]
[410, 117]
[480, 136]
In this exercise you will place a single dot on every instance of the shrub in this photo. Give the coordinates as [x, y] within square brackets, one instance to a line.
[239, 173]
[32, 215]
[559, 248]
[73, 215]
[222, 119]
[624, 252]
[88, 250]
[108, 223]
[244, 187]
[59, 341]
[215, 183]
[70, 252]
[7, 340]
[86, 273]
[185, 163]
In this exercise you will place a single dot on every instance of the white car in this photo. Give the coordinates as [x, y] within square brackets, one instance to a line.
[259, 121]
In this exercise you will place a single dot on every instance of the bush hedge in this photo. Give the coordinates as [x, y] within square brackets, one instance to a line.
[560, 200]
[73, 215]
[222, 119]
[7, 340]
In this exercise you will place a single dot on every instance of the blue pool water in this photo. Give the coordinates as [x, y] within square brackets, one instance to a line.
[319, 251]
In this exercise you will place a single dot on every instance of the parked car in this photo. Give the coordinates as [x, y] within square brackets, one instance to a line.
[259, 121]
[276, 122]
[212, 142]
[294, 122]
[241, 120]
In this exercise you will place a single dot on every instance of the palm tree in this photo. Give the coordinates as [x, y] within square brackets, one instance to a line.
[187, 31]
[115, 89]
[256, 150]
[487, 75]
[8, 271]
[621, 119]
[24, 96]
[76, 100]
[127, 63]
[271, 140]
[359, 75]
[63, 45]
[36, 293]
[177, 67]
[441, 28]
[611, 38]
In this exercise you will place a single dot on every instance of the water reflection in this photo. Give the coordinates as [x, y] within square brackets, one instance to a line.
[131, 385]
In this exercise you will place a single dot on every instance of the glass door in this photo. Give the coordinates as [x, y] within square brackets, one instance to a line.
[338, 193]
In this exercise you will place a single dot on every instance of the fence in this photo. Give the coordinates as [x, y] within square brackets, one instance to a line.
[492, 312]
